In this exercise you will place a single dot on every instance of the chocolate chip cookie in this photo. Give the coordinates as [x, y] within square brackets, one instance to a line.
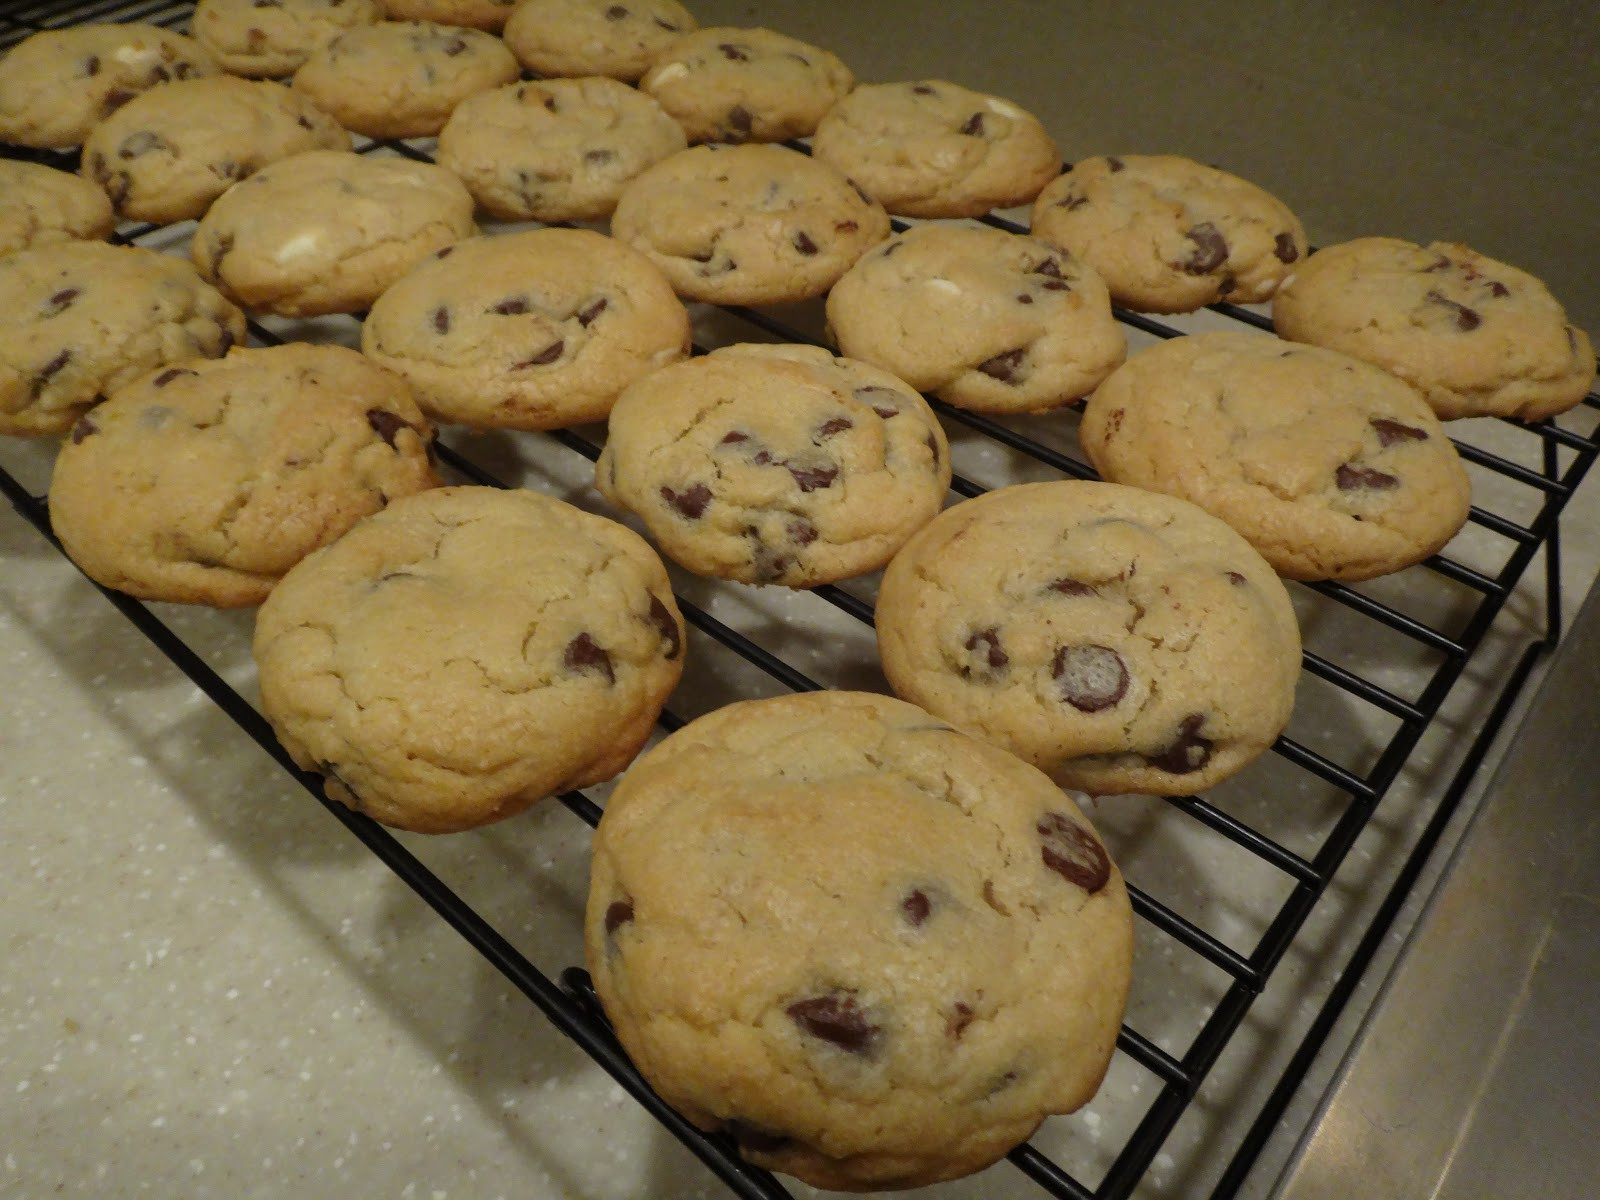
[402, 79]
[1477, 337]
[555, 149]
[931, 148]
[533, 330]
[874, 951]
[775, 464]
[1169, 234]
[168, 153]
[265, 39]
[986, 320]
[80, 319]
[748, 224]
[429, 722]
[595, 37]
[328, 231]
[1120, 639]
[490, 15]
[746, 85]
[1330, 467]
[55, 86]
[40, 204]
[204, 483]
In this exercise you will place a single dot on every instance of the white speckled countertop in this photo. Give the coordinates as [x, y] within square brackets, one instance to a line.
[210, 989]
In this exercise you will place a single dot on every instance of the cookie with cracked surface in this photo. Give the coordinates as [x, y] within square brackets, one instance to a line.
[266, 39]
[1329, 466]
[595, 37]
[402, 79]
[328, 231]
[1121, 640]
[431, 723]
[748, 224]
[986, 320]
[533, 330]
[811, 910]
[746, 85]
[1169, 234]
[488, 15]
[168, 153]
[555, 149]
[204, 483]
[78, 320]
[775, 464]
[39, 205]
[931, 148]
[1475, 336]
[55, 86]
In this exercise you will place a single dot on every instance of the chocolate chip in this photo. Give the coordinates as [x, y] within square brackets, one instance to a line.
[1048, 267]
[1283, 246]
[598, 156]
[385, 424]
[1072, 587]
[1352, 478]
[142, 142]
[1442, 263]
[83, 427]
[511, 306]
[589, 312]
[446, 252]
[956, 1023]
[762, 458]
[834, 425]
[1056, 285]
[115, 99]
[870, 397]
[837, 1018]
[733, 53]
[1071, 202]
[1189, 752]
[813, 479]
[1004, 366]
[50, 370]
[1210, 249]
[1115, 163]
[661, 618]
[1466, 318]
[1496, 288]
[454, 47]
[691, 502]
[804, 244]
[226, 169]
[802, 533]
[1024, 298]
[616, 12]
[740, 120]
[544, 357]
[618, 913]
[973, 127]
[733, 438]
[845, 226]
[441, 319]
[985, 643]
[916, 907]
[1235, 578]
[753, 1138]
[1092, 678]
[91, 65]
[1390, 432]
[923, 89]
[1072, 852]
[667, 25]
[60, 302]
[158, 74]
[932, 443]
[583, 655]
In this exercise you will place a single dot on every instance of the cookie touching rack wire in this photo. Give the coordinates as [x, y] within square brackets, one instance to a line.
[1444, 619]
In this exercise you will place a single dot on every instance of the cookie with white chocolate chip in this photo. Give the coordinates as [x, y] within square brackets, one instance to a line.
[1329, 466]
[1169, 234]
[775, 464]
[874, 951]
[932, 148]
[987, 320]
[1119, 639]
[467, 652]
[203, 483]
[533, 330]
[595, 37]
[268, 40]
[1475, 336]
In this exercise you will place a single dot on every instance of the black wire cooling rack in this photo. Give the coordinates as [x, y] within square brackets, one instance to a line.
[1527, 472]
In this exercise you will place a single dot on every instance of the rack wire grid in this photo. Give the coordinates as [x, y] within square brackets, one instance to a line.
[1437, 619]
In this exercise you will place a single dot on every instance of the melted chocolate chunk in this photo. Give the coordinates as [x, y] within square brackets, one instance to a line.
[616, 12]
[974, 125]
[916, 907]
[834, 425]
[661, 617]
[83, 427]
[1235, 578]
[985, 643]
[691, 502]
[1004, 366]
[169, 375]
[511, 306]
[1073, 587]
[91, 65]
[1048, 267]
[1352, 478]
[1072, 852]
[1390, 432]
[1496, 288]
[441, 319]
[845, 226]
[544, 357]
[872, 396]
[923, 89]
[733, 53]
[115, 99]
[1466, 318]
[804, 244]
[598, 156]
[142, 142]
[445, 253]
[385, 424]
[618, 913]
[1283, 246]
[836, 1018]
[50, 370]
[1115, 163]
[1091, 678]
[956, 1023]
[733, 438]
[1210, 249]
[588, 313]
[1071, 202]
[802, 533]
[1056, 285]
[1024, 298]
[454, 47]
[583, 655]
[812, 479]
[60, 302]
[740, 120]
[1189, 751]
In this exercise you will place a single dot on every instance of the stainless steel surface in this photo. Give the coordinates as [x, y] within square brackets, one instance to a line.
[1473, 1075]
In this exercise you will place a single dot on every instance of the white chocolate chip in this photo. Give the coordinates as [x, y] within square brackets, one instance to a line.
[669, 72]
[297, 247]
[945, 285]
[1003, 108]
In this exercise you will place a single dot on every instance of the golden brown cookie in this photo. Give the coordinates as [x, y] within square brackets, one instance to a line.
[595, 37]
[40, 204]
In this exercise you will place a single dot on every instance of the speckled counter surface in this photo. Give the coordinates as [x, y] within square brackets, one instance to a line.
[210, 989]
